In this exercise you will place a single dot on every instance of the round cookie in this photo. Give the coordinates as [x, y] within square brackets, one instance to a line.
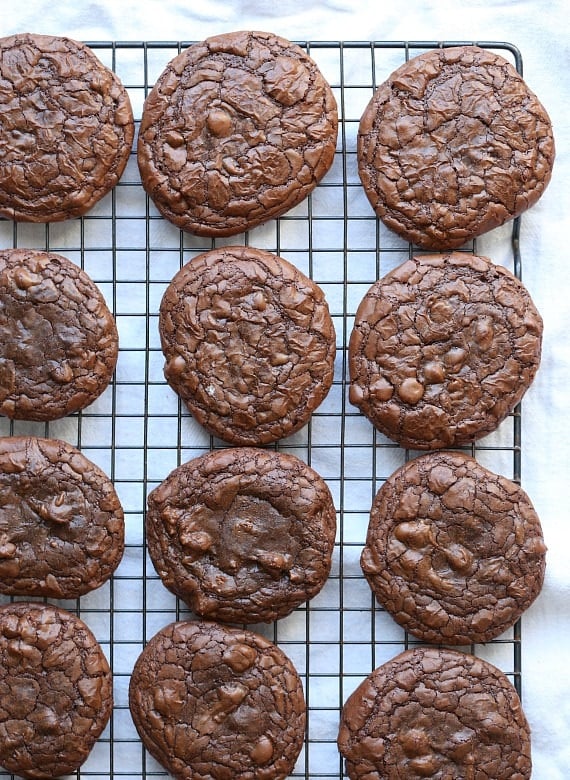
[66, 128]
[211, 702]
[249, 344]
[454, 552]
[237, 130]
[55, 688]
[452, 145]
[242, 535]
[58, 339]
[61, 522]
[442, 349]
[435, 713]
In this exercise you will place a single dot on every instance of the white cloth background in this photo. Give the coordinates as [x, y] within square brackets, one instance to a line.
[541, 32]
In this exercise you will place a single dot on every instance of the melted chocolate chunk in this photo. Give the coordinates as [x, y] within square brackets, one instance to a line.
[66, 128]
[237, 130]
[61, 522]
[435, 713]
[452, 145]
[453, 552]
[249, 344]
[242, 535]
[58, 339]
[212, 703]
[56, 691]
[442, 350]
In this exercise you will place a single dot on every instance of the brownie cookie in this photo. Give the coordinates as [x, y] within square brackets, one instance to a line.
[237, 130]
[454, 552]
[56, 691]
[435, 713]
[452, 145]
[442, 350]
[66, 128]
[242, 535]
[58, 339]
[249, 344]
[61, 522]
[211, 702]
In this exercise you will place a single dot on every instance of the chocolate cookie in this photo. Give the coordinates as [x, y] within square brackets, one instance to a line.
[58, 339]
[61, 522]
[211, 702]
[56, 691]
[249, 344]
[452, 145]
[453, 552]
[237, 130]
[442, 350]
[66, 128]
[243, 535]
[435, 713]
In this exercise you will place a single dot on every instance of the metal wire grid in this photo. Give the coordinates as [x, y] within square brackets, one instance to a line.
[137, 431]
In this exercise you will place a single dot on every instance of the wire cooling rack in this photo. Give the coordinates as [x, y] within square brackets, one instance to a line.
[137, 431]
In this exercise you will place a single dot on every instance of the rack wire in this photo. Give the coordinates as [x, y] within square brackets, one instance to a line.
[138, 431]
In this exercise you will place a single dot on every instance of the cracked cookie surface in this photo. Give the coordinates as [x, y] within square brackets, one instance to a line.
[242, 535]
[66, 128]
[61, 522]
[454, 552]
[237, 130]
[442, 350]
[249, 344]
[215, 702]
[452, 145]
[56, 691]
[58, 339]
[435, 713]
